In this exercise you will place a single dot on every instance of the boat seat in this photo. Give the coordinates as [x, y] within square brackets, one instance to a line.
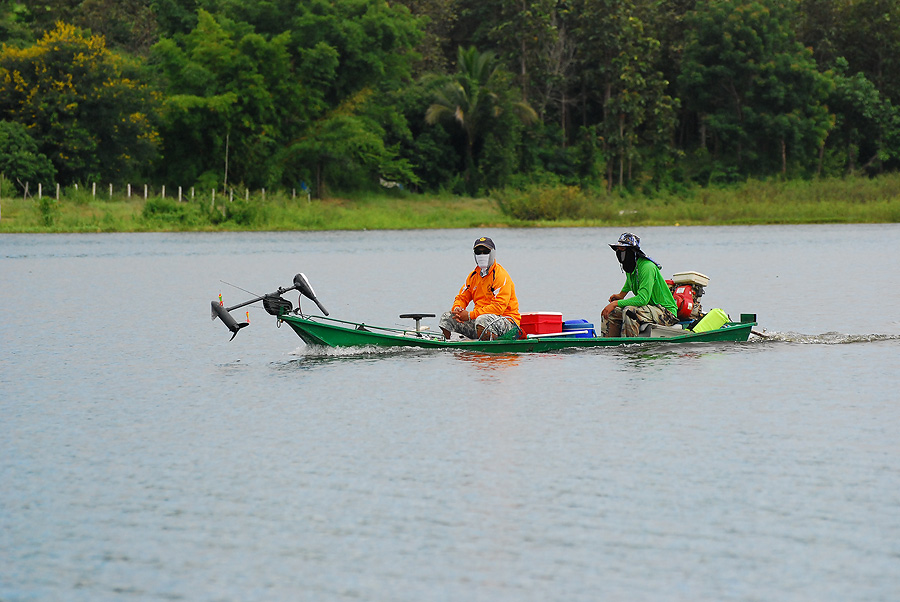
[417, 317]
[659, 331]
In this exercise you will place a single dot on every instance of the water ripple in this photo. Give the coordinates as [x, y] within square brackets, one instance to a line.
[826, 338]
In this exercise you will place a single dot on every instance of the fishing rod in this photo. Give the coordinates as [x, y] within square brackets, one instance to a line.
[273, 303]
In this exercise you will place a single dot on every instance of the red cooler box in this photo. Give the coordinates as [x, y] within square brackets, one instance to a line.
[542, 322]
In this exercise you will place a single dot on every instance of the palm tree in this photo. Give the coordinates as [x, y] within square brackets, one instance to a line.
[469, 100]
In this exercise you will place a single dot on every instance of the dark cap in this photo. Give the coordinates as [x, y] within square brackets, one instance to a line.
[484, 241]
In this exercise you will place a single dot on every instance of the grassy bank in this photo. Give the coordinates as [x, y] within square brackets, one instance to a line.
[852, 200]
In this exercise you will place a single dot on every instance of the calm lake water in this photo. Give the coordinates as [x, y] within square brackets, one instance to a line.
[143, 456]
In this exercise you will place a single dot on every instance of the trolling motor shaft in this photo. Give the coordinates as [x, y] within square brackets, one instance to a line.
[273, 303]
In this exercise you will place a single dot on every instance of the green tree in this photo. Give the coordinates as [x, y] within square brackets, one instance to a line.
[264, 86]
[429, 148]
[368, 51]
[471, 100]
[536, 42]
[231, 97]
[438, 19]
[869, 38]
[619, 69]
[500, 154]
[83, 105]
[125, 24]
[524, 31]
[757, 91]
[867, 128]
[866, 33]
[20, 159]
[42, 15]
[174, 17]
[13, 23]
[346, 146]
[374, 41]
[819, 27]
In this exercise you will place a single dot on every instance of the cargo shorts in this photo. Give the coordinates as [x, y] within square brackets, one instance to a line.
[626, 321]
[496, 325]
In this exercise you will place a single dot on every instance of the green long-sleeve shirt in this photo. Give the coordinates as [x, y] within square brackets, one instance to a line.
[649, 287]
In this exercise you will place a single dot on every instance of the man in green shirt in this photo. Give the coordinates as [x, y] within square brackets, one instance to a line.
[652, 302]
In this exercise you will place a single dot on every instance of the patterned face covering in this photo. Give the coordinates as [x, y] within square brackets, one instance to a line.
[482, 261]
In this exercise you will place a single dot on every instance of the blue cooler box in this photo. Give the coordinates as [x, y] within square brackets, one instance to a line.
[579, 325]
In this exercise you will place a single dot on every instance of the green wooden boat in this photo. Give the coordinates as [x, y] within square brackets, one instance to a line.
[330, 332]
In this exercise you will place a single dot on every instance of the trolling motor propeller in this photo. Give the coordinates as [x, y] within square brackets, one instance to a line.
[273, 303]
[222, 313]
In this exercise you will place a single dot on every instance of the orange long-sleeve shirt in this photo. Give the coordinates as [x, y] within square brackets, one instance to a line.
[495, 293]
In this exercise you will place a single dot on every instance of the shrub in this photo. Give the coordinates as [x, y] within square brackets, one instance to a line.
[49, 210]
[242, 212]
[170, 211]
[532, 203]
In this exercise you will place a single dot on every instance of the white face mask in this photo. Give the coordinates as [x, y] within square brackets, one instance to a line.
[482, 261]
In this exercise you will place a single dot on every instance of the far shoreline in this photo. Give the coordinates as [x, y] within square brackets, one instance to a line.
[833, 201]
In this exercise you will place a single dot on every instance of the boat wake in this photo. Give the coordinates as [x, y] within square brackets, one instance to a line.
[321, 351]
[827, 338]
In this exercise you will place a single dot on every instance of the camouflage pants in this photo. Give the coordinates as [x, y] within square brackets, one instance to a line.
[626, 321]
[492, 323]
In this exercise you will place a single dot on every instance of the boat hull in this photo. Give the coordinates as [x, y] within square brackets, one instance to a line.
[335, 333]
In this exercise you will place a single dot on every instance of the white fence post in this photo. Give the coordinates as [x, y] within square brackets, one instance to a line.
[129, 191]
[179, 194]
[110, 191]
[192, 193]
[145, 192]
[164, 191]
[94, 190]
[57, 191]
[40, 191]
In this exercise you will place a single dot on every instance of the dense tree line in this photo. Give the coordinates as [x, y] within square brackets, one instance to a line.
[456, 95]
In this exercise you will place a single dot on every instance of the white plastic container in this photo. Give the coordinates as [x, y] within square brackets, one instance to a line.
[690, 278]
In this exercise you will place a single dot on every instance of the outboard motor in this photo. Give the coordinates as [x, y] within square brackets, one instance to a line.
[687, 288]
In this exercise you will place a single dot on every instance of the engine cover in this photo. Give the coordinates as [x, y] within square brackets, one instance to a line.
[685, 300]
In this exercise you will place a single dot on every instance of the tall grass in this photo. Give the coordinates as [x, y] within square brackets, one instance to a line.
[851, 200]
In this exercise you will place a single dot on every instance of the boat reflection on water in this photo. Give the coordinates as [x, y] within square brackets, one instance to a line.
[489, 362]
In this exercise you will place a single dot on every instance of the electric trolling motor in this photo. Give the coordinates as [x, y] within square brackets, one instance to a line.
[273, 303]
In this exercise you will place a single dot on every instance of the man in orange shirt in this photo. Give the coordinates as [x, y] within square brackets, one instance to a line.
[496, 310]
